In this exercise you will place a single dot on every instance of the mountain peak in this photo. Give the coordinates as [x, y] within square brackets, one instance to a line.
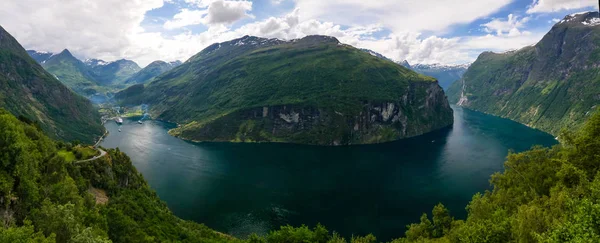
[319, 39]
[586, 18]
[405, 64]
[65, 52]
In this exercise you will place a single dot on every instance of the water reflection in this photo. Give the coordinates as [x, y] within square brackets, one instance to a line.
[244, 188]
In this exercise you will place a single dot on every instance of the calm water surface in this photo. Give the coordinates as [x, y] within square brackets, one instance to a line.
[379, 189]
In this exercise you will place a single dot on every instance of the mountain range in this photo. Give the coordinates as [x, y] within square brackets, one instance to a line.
[551, 85]
[33, 94]
[445, 74]
[94, 78]
[313, 90]
[151, 71]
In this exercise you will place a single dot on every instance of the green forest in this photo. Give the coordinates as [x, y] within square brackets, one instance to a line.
[544, 195]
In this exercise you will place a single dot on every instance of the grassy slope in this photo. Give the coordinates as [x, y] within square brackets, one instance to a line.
[115, 73]
[311, 72]
[27, 90]
[73, 73]
[552, 85]
[149, 72]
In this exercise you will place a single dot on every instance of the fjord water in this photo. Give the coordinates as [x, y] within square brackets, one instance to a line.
[243, 188]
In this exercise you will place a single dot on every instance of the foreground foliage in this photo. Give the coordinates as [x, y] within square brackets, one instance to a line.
[544, 195]
[45, 198]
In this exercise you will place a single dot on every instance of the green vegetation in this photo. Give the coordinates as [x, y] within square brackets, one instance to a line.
[151, 71]
[73, 73]
[68, 156]
[544, 195]
[114, 73]
[226, 81]
[45, 198]
[94, 79]
[35, 96]
[551, 85]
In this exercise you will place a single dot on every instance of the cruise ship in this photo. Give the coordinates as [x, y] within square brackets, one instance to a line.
[119, 120]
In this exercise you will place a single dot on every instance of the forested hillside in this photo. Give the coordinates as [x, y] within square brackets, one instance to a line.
[47, 197]
[27, 90]
[313, 90]
[550, 85]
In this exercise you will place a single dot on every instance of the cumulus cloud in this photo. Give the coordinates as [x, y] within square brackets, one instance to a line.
[545, 6]
[510, 26]
[211, 12]
[186, 17]
[400, 15]
[100, 28]
[227, 12]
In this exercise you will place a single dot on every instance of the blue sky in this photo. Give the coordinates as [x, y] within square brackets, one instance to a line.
[420, 31]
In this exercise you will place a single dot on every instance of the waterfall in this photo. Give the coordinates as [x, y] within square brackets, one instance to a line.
[463, 99]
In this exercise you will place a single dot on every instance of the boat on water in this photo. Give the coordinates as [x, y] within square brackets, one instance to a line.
[140, 121]
[119, 120]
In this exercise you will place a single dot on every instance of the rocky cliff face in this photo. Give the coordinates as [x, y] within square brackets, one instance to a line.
[376, 122]
[313, 90]
[552, 85]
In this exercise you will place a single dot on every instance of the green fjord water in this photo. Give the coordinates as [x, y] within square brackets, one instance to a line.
[243, 188]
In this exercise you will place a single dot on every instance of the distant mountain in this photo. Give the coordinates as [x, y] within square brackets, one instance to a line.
[112, 73]
[151, 71]
[94, 78]
[72, 72]
[551, 85]
[39, 56]
[405, 64]
[27, 90]
[445, 74]
[313, 90]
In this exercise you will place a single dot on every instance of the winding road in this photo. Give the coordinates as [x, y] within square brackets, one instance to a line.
[102, 152]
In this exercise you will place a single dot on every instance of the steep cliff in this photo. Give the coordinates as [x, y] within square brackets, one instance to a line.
[31, 93]
[551, 85]
[313, 90]
[376, 122]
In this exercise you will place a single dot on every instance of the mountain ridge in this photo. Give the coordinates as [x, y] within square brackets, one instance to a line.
[29, 91]
[550, 85]
[272, 91]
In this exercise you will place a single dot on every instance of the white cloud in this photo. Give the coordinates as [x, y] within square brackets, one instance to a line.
[186, 17]
[545, 6]
[98, 29]
[211, 12]
[509, 27]
[500, 43]
[400, 15]
[227, 12]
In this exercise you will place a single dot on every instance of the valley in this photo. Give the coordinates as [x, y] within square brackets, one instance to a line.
[240, 189]
[332, 122]
[551, 85]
